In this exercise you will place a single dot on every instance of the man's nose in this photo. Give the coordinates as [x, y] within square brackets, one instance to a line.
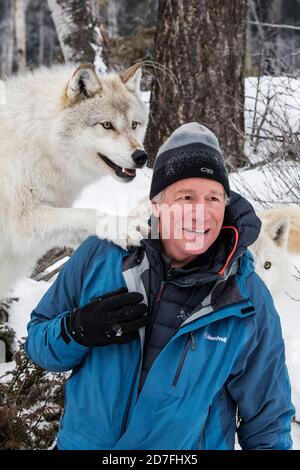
[201, 212]
[139, 157]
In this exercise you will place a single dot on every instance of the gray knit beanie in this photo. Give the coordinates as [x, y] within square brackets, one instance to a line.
[191, 151]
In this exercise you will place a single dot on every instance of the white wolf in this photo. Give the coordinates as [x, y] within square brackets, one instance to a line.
[279, 238]
[61, 129]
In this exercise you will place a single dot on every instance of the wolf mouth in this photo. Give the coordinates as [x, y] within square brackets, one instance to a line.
[127, 174]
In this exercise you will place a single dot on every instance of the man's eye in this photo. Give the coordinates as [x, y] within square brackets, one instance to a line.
[215, 199]
[134, 124]
[185, 198]
[107, 125]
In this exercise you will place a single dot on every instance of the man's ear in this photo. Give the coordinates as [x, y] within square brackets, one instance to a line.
[83, 84]
[132, 78]
[155, 208]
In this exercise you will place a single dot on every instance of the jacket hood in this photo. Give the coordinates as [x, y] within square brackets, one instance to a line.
[243, 227]
[240, 214]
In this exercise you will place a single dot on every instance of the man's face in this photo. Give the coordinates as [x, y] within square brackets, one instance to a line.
[191, 215]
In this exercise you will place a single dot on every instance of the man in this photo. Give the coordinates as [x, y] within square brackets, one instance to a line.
[212, 348]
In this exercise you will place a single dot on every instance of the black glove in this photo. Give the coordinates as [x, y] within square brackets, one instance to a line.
[111, 318]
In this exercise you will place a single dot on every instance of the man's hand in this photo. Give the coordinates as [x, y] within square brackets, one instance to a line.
[111, 318]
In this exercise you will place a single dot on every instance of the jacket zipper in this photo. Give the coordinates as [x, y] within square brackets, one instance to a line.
[189, 343]
[125, 418]
[163, 283]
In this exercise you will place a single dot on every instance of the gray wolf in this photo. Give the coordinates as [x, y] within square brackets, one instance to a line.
[61, 129]
[278, 240]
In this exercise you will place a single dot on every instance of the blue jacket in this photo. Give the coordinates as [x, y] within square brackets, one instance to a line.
[224, 359]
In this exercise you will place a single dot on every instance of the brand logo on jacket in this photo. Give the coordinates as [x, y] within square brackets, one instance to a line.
[223, 339]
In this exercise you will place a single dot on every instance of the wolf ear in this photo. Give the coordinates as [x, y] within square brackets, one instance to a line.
[83, 84]
[279, 231]
[132, 78]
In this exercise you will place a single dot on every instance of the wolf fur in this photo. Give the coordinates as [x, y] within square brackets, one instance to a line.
[278, 240]
[55, 139]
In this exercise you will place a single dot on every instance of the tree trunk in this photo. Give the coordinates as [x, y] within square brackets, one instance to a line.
[20, 30]
[200, 46]
[7, 26]
[81, 39]
[112, 16]
[41, 35]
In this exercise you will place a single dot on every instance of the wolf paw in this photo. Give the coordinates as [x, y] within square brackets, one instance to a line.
[138, 221]
[137, 230]
[130, 233]
[124, 231]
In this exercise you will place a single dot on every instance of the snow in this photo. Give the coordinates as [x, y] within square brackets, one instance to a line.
[99, 63]
[288, 305]
[6, 367]
[29, 293]
[114, 197]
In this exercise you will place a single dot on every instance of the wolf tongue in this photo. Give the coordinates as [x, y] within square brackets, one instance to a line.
[128, 171]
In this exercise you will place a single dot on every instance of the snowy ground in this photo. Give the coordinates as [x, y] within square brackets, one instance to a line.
[109, 195]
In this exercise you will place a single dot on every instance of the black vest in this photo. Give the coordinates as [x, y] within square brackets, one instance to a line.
[170, 301]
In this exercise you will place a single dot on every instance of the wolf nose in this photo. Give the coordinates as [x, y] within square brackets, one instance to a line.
[139, 157]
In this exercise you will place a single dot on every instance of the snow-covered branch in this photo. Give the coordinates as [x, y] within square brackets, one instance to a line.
[272, 25]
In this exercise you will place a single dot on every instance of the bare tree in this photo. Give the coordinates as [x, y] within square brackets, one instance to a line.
[200, 51]
[80, 37]
[272, 139]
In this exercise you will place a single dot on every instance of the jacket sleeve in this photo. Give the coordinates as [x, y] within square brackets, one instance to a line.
[48, 344]
[259, 383]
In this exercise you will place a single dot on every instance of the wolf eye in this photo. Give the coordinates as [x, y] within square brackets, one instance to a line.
[107, 125]
[267, 265]
[134, 124]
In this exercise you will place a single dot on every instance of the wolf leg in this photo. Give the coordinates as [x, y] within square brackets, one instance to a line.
[49, 226]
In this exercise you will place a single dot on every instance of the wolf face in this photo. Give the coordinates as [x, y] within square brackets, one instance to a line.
[272, 260]
[103, 124]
